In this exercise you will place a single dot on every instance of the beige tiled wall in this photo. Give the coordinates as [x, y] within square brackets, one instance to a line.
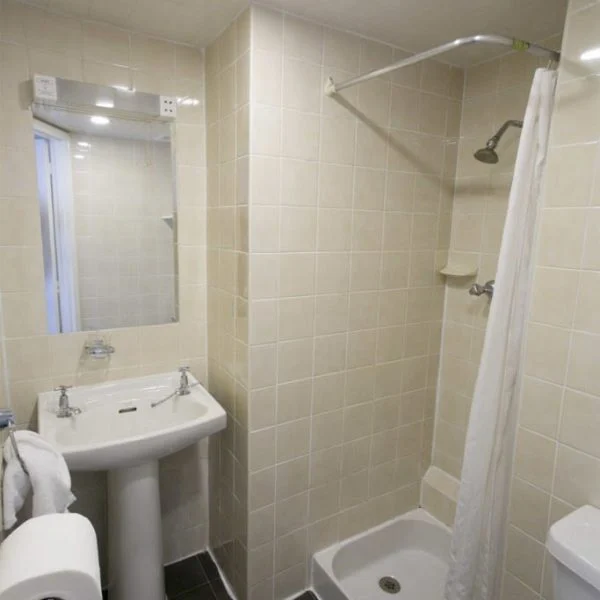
[557, 464]
[228, 72]
[327, 222]
[349, 219]
[123, 189]
[34, 41]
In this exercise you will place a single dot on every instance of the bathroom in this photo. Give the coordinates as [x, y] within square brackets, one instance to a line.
[309, 257]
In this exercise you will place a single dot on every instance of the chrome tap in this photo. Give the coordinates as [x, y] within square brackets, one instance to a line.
[64, 410]
[182, 390]
[184, 384]
[479, 290]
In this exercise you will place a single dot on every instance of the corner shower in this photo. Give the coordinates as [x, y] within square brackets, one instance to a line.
[465, 562]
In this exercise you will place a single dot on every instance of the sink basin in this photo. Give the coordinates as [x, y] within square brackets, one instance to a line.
[118, 430]
[118, 427]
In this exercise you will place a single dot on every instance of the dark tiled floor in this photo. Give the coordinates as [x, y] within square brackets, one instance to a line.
[308, 595]
[195, 578]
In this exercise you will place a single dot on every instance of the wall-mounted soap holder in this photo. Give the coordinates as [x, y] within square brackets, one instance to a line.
[459, 270]
[99, 349]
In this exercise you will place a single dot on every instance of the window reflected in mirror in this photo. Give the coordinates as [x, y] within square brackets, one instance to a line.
[107, 209]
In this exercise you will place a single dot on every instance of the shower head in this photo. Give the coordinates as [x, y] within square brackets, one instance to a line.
[488, 154]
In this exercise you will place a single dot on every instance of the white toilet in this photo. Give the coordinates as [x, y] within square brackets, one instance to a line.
[574, 543]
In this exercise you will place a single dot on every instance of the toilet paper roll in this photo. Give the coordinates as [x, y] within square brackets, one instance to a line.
[53, 556]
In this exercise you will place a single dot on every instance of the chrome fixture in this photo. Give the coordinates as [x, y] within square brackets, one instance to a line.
[479, 290]
[64, 410]
[184, 384]
[7, 420]
[488, 154]
[99, 349]
[163, 400]
[521, 45]
[390, 585]
[182, 390]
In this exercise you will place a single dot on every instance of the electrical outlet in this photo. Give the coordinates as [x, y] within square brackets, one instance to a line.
[168, 106]
[44, 88]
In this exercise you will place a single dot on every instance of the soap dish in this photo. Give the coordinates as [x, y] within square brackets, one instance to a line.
[459, 270]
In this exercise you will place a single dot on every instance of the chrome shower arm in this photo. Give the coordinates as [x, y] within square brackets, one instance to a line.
[496, 137]
[488, 154]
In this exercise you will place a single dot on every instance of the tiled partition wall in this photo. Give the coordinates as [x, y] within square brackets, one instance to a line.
[34, 41]
[227, 112]
[557, 465]
[349, 218]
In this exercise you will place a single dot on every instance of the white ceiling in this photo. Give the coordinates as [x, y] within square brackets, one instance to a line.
[414, 25]
[195, 22]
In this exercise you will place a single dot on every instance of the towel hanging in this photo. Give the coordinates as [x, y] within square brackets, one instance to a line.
[33, 465]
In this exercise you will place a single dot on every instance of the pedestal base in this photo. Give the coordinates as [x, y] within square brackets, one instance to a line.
[135, 534]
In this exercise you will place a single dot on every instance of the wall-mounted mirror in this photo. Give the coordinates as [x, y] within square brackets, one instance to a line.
[106, 191]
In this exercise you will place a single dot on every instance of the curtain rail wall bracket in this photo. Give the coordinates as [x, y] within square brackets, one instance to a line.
[332, 88]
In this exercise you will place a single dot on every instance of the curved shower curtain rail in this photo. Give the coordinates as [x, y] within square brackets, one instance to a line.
[331, 87]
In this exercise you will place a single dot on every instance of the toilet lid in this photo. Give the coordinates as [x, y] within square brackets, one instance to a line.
[574, 542]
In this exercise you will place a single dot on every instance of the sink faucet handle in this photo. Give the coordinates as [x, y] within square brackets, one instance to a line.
[64, 410]
[184, 383]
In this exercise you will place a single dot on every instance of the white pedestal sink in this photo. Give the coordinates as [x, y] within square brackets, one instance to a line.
[119, 431]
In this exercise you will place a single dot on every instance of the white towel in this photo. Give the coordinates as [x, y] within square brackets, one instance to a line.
[48, 477]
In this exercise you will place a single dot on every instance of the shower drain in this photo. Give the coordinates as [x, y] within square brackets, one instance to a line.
[389, 585]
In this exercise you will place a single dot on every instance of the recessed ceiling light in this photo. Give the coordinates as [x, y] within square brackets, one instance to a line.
[99, 120]
[105, 104]
[84, 144]
[78, 156]
[592, 54]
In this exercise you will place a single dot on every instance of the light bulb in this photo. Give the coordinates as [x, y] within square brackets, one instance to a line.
[99, 120]
[591, 54]
[105, 104]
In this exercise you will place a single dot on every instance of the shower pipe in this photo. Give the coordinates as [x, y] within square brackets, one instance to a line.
[332, 88]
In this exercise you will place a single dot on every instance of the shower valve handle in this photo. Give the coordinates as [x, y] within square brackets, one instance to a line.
[479, 290]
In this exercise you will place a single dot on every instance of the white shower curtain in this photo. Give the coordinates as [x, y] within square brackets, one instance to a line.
[478, 538]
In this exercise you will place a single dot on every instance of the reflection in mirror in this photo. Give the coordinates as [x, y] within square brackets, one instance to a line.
[107, 204]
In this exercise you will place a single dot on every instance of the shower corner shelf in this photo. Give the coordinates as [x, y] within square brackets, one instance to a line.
[168, 219]
[458, 270]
